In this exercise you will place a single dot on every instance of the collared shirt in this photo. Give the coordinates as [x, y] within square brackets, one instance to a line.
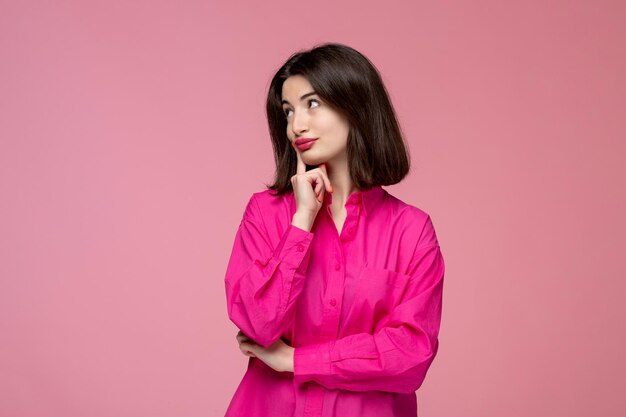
[362, 308]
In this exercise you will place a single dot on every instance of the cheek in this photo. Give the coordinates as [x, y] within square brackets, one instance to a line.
[340, 133]
[331, 123]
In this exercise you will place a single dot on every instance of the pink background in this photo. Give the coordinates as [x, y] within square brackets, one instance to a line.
[133, 133]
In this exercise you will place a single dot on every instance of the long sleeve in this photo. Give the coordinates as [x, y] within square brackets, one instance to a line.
[397, 356]
[265, 276]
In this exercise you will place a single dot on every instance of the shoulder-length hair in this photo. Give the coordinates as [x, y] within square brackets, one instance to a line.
[348, 82]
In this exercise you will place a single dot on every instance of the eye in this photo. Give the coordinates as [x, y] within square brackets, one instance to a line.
[286, 111]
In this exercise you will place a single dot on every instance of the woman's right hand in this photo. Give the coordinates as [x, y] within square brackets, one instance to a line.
[309, 188]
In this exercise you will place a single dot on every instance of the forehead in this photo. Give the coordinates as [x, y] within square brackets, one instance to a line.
[294, 87]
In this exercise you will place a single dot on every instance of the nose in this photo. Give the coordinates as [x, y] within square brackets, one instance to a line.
[299, 123]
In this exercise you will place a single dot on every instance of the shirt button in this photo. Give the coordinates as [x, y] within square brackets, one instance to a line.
[333, 302]
[337, 267]
[300, 248]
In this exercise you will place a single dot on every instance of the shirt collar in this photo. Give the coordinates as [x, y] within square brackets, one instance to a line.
[370, 198]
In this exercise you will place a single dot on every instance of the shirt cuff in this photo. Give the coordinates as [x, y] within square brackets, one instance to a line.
[311, 361]
[293, 245]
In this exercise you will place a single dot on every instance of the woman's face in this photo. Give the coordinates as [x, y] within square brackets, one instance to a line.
[310, 117]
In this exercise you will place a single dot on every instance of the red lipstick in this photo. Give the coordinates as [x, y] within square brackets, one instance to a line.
[305, 143]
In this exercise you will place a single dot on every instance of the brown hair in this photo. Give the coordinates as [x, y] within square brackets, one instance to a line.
[348, 82]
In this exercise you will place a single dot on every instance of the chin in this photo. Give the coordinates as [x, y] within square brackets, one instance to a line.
[313, 159]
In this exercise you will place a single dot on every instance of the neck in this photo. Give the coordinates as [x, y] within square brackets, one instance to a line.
[339, 177]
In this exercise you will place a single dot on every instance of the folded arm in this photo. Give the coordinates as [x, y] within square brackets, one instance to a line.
[264, 277]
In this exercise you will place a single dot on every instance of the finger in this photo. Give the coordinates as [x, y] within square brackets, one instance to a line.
[247, 352]
[318, 187]
[322, 168]
[247, 347]
[301, 168]
[241, 336]
[320, 184]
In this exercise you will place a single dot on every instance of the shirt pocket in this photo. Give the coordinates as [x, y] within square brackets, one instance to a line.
[378, 292]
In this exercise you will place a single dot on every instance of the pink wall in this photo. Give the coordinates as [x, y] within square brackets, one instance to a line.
[133, 133]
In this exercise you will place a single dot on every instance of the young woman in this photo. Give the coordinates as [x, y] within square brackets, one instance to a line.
[335, 284]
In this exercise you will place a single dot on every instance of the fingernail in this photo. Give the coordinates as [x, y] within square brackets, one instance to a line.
[331, 188]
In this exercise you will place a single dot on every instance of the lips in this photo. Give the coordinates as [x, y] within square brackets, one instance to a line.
[302, 141]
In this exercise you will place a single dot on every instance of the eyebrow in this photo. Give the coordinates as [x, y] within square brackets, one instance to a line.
[301, 98]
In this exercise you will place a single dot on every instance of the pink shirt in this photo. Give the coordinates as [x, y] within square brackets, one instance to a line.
[362, 308]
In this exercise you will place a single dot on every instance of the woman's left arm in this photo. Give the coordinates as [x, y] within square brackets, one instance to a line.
[395, 358]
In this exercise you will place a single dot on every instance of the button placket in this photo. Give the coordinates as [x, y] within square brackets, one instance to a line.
[348, 233]
[333, 296]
